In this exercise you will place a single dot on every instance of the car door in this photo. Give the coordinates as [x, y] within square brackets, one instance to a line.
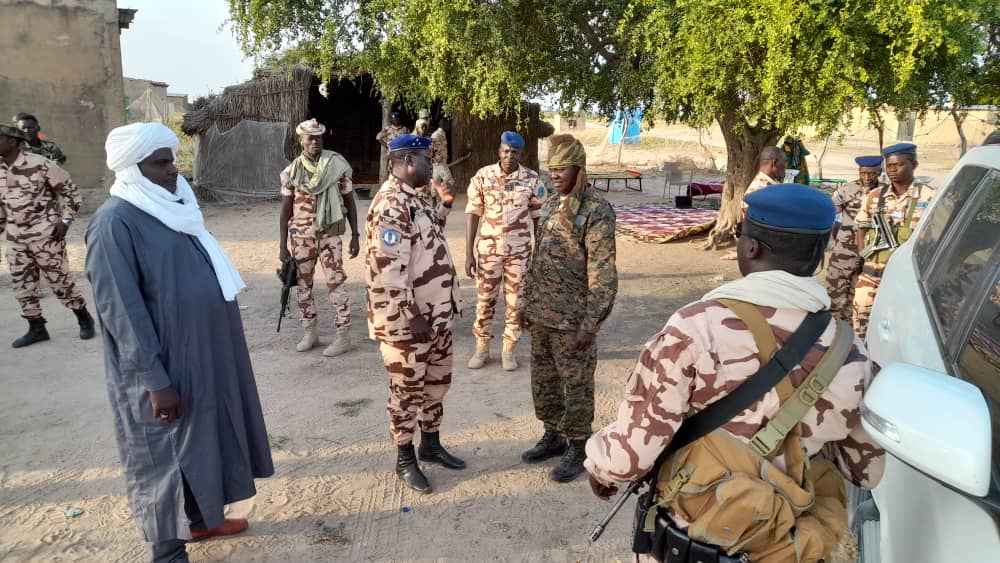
[957, 261]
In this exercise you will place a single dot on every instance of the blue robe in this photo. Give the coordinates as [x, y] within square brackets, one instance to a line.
[165, 323]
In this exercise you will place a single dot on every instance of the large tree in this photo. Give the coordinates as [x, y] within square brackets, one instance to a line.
[759, 68]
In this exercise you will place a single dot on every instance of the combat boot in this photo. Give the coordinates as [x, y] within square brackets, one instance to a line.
[551, 445]
[482, 354]
[86, 323]
[432, 451]
[341, 343]
[36, 333]
[571, 465]
[309, 339]
[507, 357]
[409, 472]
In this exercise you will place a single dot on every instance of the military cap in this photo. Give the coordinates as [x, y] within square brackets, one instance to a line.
[868, 161]
[409, 142]
[8, 131]
[793, 208]
[394, 114]
[900, 148]
[512, 139]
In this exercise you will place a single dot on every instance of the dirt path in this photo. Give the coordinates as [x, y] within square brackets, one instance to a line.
[334, 495]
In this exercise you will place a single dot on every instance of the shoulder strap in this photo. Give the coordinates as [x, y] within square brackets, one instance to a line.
[751, 391]
[763, 336]
[767, 439]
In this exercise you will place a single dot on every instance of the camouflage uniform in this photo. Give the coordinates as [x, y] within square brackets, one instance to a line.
[571, 285]
[841, 273]
[390, 132]
[32, 190]
[895, 210]
[439, 157]
[759, 182]
[704, 352]
[308, 247]
[507, 205]
[48, 149]
[410, 272]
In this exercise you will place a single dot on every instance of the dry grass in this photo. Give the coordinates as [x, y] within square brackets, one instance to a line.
[185, 151]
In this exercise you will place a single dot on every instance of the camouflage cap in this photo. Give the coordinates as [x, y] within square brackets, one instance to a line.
[9, 131]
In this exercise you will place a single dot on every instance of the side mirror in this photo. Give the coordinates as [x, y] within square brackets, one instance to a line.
[938, 424]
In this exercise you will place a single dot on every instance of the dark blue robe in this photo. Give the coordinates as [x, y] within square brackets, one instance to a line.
[165, 323]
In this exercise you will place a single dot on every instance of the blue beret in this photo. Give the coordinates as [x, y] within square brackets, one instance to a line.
[512, 139]
[900, 148]
[409, 142]
[394, 114]
[793, 208]
[869, 161]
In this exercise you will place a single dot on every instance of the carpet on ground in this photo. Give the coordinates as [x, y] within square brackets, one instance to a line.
[662, 222]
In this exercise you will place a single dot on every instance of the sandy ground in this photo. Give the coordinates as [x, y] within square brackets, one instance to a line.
[334, 496]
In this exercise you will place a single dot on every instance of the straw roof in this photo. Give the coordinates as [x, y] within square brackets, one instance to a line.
[280, 95]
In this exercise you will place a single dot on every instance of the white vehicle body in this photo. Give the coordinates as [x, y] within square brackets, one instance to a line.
[935, 331]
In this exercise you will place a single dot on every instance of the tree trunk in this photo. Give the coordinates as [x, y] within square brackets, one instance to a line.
[383, 166]
[959, 118]
[822, 154]
[743, 146]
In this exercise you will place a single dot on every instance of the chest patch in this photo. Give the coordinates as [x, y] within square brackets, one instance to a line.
[391, 237]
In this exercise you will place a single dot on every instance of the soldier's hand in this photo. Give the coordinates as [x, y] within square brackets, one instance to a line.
[420, 329]
[603, 491]
[59, 230]
[859, 266]
[166, 404]
[584, 340]
[355, 246]
[470, 266]
[284, 254]
[522, 319]
[442, 190]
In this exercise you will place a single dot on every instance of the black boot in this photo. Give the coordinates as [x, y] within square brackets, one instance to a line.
[571, 465]
[551, 445]
[86, 323]
[432, 451]
[36, 333]
[409, 472]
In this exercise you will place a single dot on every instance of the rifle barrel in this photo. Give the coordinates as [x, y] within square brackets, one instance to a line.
[632, 488]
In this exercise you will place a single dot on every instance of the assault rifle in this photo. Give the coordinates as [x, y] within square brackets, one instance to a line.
[633, 488]
[884, 237]
[289, 276]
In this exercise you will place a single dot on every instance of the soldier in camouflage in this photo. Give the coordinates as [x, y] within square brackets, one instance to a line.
[391, 131]
[411, 285]
[569, 290]
[38, 202]
[903, 203]
[34, 144]
[317, 203]
[706, 351]
[841, 273]
[505, 199]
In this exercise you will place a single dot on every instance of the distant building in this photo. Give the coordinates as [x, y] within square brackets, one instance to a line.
[62, 63]
[178, 104]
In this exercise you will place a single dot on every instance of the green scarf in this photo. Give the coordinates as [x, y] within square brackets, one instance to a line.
[322, 181]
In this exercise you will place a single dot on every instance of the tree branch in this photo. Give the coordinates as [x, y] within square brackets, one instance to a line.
[597, 47]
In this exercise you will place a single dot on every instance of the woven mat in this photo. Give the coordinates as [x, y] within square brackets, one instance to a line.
[662, 222]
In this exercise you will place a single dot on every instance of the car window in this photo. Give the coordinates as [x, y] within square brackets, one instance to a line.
[965, 260]
[937, 221]
[979, 362]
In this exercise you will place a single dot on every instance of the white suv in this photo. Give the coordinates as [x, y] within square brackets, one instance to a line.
[935, 405]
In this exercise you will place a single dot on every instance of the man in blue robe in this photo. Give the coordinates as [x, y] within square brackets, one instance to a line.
[187, 417]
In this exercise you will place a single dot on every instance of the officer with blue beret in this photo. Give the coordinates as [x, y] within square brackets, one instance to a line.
[886, 220]
[842, 272]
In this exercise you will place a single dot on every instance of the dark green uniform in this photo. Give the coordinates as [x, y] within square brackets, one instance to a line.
[571, 284]
[48, 149]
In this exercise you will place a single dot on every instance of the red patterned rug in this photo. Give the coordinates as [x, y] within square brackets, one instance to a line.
[662, 222]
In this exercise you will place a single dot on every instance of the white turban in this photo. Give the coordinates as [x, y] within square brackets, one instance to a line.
[131, 144]
[128, 146]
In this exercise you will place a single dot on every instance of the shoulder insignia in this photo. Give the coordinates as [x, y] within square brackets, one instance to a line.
[541, 190]
[391, 237]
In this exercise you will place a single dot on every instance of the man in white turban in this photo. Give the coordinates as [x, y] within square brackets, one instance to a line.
[187, 417]
[317, 206]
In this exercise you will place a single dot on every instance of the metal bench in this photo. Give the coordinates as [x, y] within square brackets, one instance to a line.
[625, 175]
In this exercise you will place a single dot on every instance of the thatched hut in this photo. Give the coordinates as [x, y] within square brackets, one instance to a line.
[246, 135]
